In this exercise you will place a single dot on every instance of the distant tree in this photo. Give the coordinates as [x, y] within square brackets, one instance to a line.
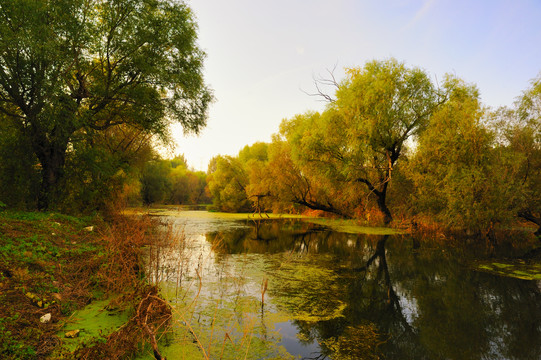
[227, 185]
[155, 184]
[254, 159]
[257, 151]
[178, 178]
[179, 160]
[197, 183]
[69, 68]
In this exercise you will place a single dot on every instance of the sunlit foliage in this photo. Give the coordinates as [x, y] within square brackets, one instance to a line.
[460, 178]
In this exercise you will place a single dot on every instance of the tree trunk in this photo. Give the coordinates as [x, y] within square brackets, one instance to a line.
[52, 160]
[528, 215]
[387, 217]
[381, 197]
[314, 205]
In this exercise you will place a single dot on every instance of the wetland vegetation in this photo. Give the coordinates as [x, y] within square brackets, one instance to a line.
[401, 221]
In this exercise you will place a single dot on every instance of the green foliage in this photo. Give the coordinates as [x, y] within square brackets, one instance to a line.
[460, 178]
[523, 137]
[19, 172]
[227, 185]
[69, 68]
[155, 184]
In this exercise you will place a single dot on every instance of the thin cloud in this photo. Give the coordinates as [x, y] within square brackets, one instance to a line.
[421, 13]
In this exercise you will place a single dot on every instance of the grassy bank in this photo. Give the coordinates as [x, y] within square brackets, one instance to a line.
[56, 264]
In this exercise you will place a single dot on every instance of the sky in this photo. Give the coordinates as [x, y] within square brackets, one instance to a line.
[263, 56]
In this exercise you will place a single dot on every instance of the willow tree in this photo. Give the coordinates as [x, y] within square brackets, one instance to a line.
[524, 138]
[307, 164]
[72, 67]
[377, 109]
[460, 177]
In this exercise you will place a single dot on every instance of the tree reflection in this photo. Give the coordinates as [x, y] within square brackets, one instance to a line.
[393, 297]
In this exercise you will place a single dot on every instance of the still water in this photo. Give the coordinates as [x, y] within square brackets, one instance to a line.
[277, 289]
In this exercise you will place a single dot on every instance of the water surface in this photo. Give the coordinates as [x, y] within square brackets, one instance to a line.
[290, 288]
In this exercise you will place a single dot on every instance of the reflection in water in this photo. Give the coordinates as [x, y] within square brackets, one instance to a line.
[344, 296]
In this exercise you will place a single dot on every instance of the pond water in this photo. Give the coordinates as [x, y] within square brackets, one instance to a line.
[277, 289]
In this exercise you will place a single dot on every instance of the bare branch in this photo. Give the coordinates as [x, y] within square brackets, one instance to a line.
[320, 82]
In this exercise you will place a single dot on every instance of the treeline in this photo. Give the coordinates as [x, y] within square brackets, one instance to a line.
[392, 144]
[170, 182]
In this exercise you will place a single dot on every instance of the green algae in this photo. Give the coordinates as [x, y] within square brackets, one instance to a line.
[201, 214]
[518, 269]
[94, 322]
[340, 225]
[351, 227]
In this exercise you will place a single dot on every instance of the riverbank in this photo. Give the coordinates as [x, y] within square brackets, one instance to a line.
[52, 265]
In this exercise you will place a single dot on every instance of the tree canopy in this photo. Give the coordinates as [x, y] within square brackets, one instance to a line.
[70, 68]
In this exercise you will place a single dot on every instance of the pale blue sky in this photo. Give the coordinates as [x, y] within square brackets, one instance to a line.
[262, 54]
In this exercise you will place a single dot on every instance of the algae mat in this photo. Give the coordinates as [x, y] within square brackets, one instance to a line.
[93, 322]
[340, 225]
[518, 269]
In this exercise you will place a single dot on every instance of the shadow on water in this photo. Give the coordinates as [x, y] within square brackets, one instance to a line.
[348, 296]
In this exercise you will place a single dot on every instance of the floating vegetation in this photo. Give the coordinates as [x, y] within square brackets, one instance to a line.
[356, 342]
[518, 269]
[93, 322]
[198, 214]
[307, 291]
[351, 227]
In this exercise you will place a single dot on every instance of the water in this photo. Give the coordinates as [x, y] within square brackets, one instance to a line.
[336, 295]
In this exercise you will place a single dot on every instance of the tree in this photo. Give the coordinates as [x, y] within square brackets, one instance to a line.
[305, 161]
[523, 137]
[155, 184]
[71, 67]
[361, 135]
[460, 177]
[255, 159]
[383, 105]
[227, 184]
[19, 174]
[99, 165]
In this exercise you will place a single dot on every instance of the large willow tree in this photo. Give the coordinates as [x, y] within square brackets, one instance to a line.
[69, 68]
[357, 141]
